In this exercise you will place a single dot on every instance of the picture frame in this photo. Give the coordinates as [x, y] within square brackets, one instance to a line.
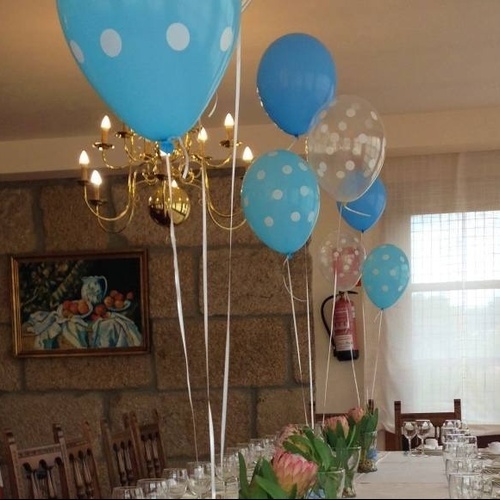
[79, 304]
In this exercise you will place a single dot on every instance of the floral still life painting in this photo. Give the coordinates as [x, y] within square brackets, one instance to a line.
[76, 304]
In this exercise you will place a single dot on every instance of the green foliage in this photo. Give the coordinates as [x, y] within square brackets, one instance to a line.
[264, 483]
[366, 426]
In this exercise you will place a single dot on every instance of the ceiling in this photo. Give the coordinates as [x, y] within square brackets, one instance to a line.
[403, 56]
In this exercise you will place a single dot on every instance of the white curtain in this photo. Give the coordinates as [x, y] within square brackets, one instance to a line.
[441, 339]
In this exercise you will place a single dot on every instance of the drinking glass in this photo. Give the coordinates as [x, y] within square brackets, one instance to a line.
[409, 431]
[177, 480]
[227, 466]
[154, 487]
[465, 485]
[199, 478]
[127, 492]
[424, 428]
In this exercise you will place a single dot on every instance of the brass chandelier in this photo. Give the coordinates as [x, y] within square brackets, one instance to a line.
[146, 167]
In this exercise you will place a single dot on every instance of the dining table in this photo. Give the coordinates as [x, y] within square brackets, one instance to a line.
[400, 475]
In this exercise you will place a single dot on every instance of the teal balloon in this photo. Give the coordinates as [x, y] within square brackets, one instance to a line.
[155, 63]
[296, 79]
[385, 275]
[280, 199]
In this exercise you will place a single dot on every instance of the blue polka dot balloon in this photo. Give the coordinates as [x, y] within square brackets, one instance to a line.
[280, 199]
[385, 275]
[155, 63]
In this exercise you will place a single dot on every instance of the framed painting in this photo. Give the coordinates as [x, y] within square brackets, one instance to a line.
[80, 304]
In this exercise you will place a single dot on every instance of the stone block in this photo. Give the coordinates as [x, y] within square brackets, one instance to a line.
[279, 407]
[122, 371]
[68, 223]
[259, 281]
[10, 367]
[259, 353]
[19, 232]
[162, 292]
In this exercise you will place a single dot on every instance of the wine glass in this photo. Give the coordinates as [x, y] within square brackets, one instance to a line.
[409, 431]
[130, 492]
[227, 466]
[424, 428]
[177, 479]
[154, 487]
[199, 477]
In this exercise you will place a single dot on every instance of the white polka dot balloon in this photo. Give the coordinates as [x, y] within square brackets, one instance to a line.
[341, 256]
[346, 147]
[156, 64]
[280, 200]
[386, 274]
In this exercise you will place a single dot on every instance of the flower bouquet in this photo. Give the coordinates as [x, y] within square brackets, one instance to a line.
[343, 436]
[366, 422]
[303, 466]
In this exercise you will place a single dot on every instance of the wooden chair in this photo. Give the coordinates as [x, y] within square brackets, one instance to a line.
[84, 474]
[148, 443]
[437, 419]
[121, 456]
[39, 472]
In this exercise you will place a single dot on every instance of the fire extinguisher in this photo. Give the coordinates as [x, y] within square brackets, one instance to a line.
[344, 338]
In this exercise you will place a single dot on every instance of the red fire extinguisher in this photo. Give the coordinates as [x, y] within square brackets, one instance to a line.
[344, 338]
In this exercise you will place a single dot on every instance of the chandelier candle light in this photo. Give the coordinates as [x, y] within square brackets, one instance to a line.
[146, 164]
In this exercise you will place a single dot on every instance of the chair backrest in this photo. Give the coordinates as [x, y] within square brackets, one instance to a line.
[39, 472]
[148, 442]
[121, 455]
[84, 474]
[437, 419]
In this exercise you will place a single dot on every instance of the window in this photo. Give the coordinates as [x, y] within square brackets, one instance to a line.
[441, 340]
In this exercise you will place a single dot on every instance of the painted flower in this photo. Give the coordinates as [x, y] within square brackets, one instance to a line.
[292, 469]
[356, 413]
[331, 423]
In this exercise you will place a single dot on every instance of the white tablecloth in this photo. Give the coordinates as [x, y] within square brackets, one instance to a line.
[401, 476]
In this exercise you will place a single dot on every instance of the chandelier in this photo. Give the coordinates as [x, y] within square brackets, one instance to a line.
[146, 166]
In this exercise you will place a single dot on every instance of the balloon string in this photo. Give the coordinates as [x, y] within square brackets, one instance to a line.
[349, 209]
[297, 343]
[286, 285]
[225, 391]
[330, 344]
[309, 340]
[180, 309]
[293, 143]
[353, 368]
[379, 314]
[205, 328]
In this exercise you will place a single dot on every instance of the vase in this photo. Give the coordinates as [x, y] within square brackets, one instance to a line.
[368, 457]
[349, 459]
[329, 484]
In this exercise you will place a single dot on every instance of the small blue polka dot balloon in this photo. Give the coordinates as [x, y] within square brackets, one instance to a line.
[280, 199]
[385, 275]
[156, 64]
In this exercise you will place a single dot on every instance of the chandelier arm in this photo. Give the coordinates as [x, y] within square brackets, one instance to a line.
[212, 210]
[129, 209]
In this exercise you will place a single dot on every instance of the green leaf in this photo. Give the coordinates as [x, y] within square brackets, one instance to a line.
[272, 489]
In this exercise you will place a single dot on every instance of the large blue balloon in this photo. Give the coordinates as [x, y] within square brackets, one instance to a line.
[385, 275]
[156, 63]
[280, 199]
[296, 79]
[363, 213]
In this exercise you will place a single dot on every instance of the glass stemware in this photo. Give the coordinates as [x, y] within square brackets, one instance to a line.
[154, 487]
[424, 428]
[409, 431]
[177, 480]
[130, 492]
[227, 466]
[199, 478]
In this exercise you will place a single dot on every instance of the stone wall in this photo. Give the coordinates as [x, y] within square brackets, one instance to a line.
[266, 390]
